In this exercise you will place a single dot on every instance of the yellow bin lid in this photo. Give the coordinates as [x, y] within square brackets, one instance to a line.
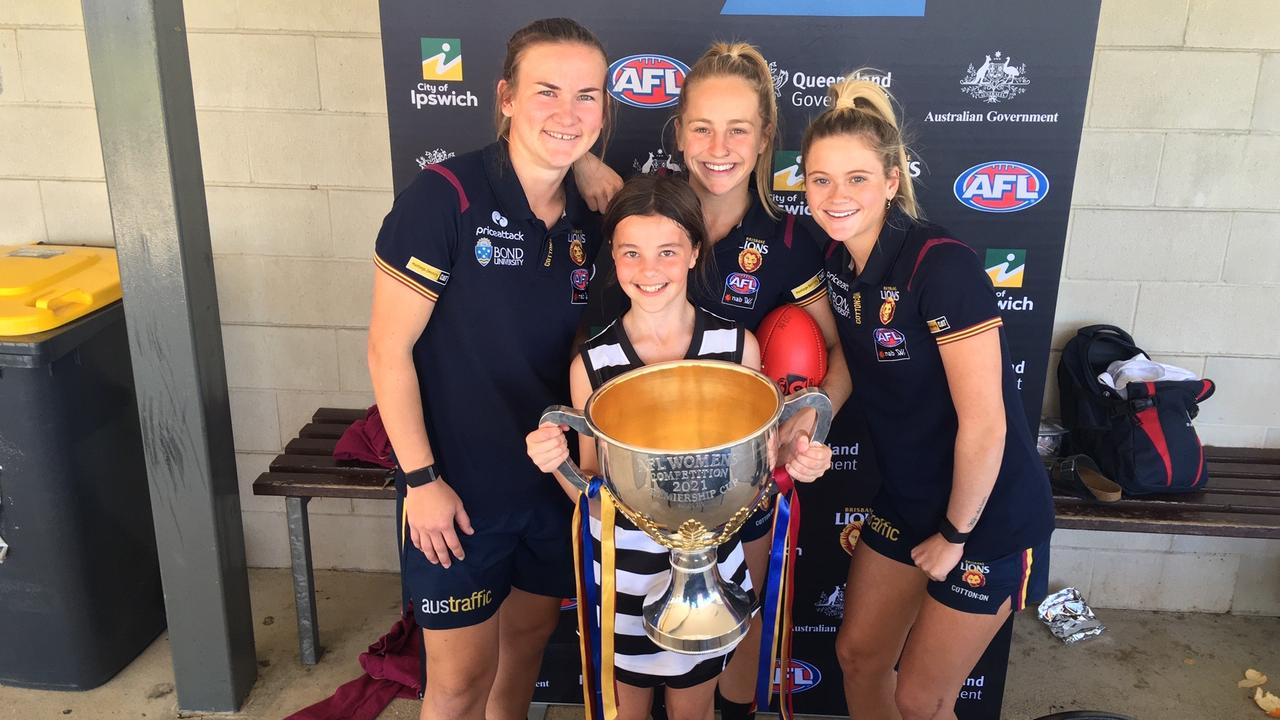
[43, 287]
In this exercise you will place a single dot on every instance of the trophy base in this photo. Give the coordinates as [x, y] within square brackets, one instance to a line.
[699, 613]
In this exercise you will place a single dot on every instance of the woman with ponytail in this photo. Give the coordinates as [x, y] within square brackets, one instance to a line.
[959, 533]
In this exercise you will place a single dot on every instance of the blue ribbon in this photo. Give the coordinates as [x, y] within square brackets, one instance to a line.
[592, 585]
[773, 588]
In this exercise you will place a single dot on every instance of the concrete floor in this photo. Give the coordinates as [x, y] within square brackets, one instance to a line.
[1153, 666]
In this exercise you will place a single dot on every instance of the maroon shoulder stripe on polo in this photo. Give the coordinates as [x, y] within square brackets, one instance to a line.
[929, 245]
[447, 174]
[788, 230]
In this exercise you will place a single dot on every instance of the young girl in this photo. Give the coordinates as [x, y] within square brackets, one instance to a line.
[959, 536]
[655, 228]
[483, 265]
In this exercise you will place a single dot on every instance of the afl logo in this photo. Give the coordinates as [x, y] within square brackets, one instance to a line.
[579, 278]
[743, 284]
[568, 604]
[889, 338]
[484, 251]
[803, 676]
[647, 81]
[1001, 187]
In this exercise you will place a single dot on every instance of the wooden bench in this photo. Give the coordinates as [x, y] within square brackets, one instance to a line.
[1243, 500]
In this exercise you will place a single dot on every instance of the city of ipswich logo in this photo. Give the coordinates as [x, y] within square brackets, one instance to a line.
[1006, 267]
[577, 249]
[788, 175]
[831, 604]
[974, 574]
[442, 59]
[995, 79]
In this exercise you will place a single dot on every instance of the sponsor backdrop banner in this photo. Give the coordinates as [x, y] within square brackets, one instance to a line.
[993, 98]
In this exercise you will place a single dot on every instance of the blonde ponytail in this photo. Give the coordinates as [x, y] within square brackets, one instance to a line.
[743, 60]
[862, 108]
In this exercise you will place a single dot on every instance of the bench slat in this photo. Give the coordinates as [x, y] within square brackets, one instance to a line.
[1193, 502]
[324, 464]
[1076, 515]
[285, 484]
[1269, 456]
[1243, 470]
[344, 416]
[323, 430]
[310, 446]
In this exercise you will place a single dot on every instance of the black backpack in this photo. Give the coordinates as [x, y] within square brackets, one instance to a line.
[1146, 442]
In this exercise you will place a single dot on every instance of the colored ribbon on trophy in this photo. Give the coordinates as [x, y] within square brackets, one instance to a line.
[596, 603]
[775, 625]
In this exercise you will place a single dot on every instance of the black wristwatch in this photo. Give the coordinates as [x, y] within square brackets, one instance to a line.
[422, 476]
[950, 533]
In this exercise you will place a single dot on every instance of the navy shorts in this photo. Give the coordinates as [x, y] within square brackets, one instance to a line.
[531, 550]
[975, 585]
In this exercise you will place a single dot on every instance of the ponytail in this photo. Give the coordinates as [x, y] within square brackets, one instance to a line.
[862, 108]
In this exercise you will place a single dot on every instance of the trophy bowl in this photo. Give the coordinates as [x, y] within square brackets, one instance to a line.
[687, 449]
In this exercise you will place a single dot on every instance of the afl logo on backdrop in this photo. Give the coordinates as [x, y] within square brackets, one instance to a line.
[1001, 187]
[647, 81]
[803, 676]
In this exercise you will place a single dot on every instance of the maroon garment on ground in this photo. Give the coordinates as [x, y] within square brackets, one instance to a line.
[393, 669]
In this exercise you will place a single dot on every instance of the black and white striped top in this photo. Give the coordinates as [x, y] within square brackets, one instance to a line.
[642, 565]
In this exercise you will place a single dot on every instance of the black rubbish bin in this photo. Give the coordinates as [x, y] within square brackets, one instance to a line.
[80, 593]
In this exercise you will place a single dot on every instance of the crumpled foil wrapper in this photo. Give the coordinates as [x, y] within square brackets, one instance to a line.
[1069, 618]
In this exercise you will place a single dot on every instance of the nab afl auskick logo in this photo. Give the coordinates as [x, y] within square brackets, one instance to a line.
[1001, 187]
[647, 81]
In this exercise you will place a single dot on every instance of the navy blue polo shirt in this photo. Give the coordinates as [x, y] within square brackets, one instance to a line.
[920, 290]
[761, 264]
[509, 294]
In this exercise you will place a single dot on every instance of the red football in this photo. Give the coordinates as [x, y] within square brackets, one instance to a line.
[792, 351]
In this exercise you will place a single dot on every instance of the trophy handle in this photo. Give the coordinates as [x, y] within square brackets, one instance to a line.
[810, 398]
[564, 415]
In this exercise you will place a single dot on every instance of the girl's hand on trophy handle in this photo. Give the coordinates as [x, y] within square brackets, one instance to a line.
[547, 446]
[809, 460]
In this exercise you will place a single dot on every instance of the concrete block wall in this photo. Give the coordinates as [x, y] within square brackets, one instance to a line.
[1175, 234]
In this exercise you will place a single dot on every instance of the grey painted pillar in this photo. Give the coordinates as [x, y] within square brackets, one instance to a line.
[146, 117]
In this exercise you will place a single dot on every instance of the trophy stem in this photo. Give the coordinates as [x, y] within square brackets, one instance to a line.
[699, 613]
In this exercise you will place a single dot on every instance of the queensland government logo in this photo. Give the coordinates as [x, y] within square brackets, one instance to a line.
[647, 81]
[995, 79]
[807, 89]
[1001, 187]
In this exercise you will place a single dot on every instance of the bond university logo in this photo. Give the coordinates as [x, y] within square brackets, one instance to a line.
[788, 175]
[1006, 267]
[442, 59]
[995, 79]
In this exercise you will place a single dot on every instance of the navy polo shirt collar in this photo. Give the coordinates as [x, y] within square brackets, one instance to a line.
[757, 222]
[887, 249]
[510, 193]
